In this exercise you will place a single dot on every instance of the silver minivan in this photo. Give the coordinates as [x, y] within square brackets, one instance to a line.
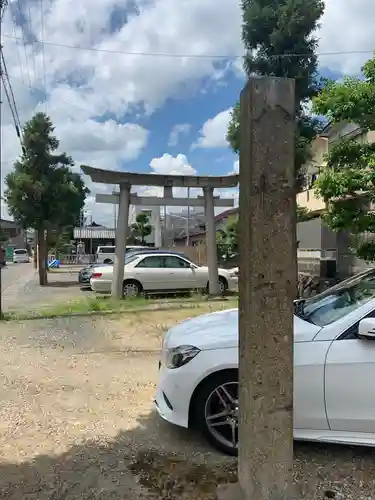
[20, 255]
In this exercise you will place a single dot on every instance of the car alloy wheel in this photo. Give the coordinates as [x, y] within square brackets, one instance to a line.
[221, 415]
[130, 290]
[222, 287]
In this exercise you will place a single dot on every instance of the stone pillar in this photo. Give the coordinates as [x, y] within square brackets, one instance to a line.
[213, 274]
[121, 235]
[267, 286]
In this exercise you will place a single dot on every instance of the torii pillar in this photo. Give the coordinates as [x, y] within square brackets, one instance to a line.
[121, 237]
[213, 271]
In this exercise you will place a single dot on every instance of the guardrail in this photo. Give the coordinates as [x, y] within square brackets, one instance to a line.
[316, 254]
[73, 259]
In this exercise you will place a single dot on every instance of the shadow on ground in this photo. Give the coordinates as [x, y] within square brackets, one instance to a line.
[173, 464]
[63, 284]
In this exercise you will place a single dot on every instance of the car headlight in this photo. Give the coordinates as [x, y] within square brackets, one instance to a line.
[180, 356]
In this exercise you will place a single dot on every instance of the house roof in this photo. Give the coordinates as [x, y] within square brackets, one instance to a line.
[226, 214]
[87, 233]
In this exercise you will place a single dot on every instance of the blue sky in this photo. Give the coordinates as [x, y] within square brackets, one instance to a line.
[114, 108]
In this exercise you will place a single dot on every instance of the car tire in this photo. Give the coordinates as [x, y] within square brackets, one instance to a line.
[223, 286]
[131, 288]
[204, 402]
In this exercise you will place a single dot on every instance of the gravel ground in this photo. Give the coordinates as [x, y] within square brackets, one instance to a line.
[25, 292]
[76, 422]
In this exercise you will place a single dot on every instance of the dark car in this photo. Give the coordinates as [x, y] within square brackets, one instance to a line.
[85, 273]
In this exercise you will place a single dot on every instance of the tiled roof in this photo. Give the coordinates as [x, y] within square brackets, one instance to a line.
[88, 233]
[227, 213]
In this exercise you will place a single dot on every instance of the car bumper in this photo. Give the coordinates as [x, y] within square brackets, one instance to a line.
[167, 405]
[176, 388]
[101, 286]
[232, 284]
[84, 279]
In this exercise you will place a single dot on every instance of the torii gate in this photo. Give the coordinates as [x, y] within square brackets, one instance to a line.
[126, 180]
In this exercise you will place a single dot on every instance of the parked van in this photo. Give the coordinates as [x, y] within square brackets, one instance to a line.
[20, 255]
[106, 254]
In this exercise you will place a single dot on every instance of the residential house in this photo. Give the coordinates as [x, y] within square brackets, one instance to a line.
[16, 235]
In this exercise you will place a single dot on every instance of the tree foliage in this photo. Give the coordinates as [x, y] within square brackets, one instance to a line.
[347, 184]
[278, 37]
[227, 238]
[303, 214]
[42, 191]
[141, 227]
[3, 236]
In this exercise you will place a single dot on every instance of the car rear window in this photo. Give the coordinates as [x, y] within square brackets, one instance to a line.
[107, 250]
[20, 252]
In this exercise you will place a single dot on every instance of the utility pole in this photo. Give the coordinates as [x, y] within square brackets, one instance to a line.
[267, 286]
[188, 220]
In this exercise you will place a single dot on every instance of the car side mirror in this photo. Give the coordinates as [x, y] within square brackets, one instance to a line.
[366, 329]
[192, 267]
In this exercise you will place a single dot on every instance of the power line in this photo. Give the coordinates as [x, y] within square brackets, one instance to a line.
[3, 6]
[11, 100]
[23, 39]
[43, 55]
[190, 56]
[31, 31]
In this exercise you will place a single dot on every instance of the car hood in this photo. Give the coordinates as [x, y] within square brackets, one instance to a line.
[219, 330]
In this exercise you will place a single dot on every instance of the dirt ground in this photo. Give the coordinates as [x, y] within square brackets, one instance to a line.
[77, 421]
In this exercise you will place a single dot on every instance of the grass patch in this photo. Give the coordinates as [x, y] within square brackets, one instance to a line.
[106, 305]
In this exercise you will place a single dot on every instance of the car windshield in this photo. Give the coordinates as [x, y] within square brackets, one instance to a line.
[129, 258]
[338, 301]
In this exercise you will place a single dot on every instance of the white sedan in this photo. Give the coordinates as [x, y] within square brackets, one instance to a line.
[160, 272]
[334, 369]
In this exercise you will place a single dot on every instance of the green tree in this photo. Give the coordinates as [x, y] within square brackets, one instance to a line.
[42, 192]
[303, 214]
[227, 238]
[347, 184]
[3, 236]
[141, 227]
[278, 37]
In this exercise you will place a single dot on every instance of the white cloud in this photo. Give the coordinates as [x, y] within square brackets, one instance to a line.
[177, 131]
[167, 164]
[347, 27]
[214, 130]
[84, 84]
[236, 167]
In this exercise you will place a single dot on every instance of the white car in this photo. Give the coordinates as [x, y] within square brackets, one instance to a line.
[160, 272]
[106, 254]
[20, 256]
[334, 369]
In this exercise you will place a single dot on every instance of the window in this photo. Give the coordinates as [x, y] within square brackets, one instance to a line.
[175, 262]
[352, 332]
[340, 300]
[20, 252]
[154, 261]
[106, 249]
[130, 258]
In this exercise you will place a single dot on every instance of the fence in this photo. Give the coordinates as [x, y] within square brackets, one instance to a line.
[72, 260]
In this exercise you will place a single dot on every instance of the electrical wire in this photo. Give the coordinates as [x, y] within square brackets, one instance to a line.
[5, 78]
[43, 55]
[3, 6]
[18, 53]
[191, 56]
[23, 39]
[31, 31]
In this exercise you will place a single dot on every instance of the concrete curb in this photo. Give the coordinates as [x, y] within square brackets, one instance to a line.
[160, 307]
